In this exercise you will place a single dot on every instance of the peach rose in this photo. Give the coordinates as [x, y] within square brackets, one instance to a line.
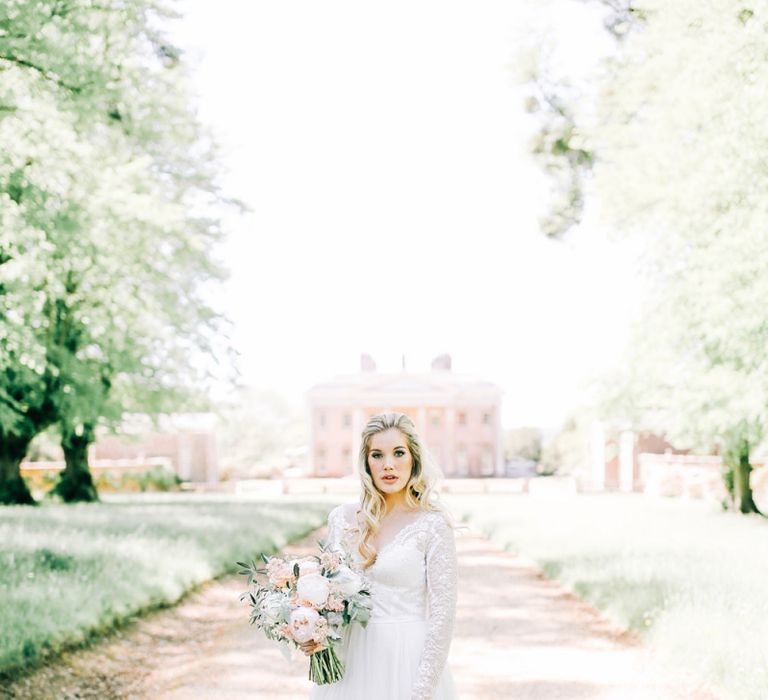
[321, 630]
[334, 603]
[279, 572]
[330, 561]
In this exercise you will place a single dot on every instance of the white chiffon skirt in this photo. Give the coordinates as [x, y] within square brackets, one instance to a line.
[380, 663]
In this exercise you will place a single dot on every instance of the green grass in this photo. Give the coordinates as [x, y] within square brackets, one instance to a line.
[70, 573]
[688, 576]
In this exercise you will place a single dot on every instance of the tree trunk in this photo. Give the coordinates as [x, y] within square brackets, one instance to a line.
[737, 457]
[76, 483]
[13, 489]
[742, 488]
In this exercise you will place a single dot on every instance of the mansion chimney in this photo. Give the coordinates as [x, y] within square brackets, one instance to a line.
[442, 363]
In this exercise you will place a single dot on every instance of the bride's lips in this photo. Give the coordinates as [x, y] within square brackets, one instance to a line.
[388, 480]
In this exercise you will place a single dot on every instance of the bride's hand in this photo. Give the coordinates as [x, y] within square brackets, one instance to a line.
[309, 647]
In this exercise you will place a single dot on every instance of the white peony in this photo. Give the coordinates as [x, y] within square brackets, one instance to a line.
[271, 608]
[307, 566]
[302, 622]
[314, 588]
[347, 581]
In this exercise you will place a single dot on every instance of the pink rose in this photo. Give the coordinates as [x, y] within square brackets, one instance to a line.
[330, 561]
[321, 630]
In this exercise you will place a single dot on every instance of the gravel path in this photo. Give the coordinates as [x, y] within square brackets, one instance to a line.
[517, 636]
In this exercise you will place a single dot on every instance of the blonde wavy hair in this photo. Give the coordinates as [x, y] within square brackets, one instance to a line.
[421, 491]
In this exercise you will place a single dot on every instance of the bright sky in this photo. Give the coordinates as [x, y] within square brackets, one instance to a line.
[382, 149]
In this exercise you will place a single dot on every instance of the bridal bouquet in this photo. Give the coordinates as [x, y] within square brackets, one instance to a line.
[311, 598]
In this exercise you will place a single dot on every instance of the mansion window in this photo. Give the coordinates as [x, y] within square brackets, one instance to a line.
[321, 466]
[462, 461]
[487, 460]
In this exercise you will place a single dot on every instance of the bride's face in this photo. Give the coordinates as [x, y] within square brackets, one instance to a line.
[388, 456]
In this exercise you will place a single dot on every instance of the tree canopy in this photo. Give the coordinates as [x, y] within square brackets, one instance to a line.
[676, 157]
[109, 220]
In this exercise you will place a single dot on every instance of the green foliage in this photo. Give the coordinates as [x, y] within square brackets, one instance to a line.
[158, 478]
[677, 129]
[524, 443]
[109, 215]
[563, 144]
[562, 152]
[696, 119]
[112, 561]
[257, 428]
[565, 453]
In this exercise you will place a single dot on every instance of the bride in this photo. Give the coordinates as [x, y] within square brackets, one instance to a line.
[402, 539]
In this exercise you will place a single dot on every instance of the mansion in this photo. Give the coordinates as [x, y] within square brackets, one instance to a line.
[458, 417]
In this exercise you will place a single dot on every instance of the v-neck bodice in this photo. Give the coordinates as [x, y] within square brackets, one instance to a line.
[404, 528]
[351, 531]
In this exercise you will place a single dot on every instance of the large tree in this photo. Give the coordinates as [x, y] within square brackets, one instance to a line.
[109, 221]
[676, 142]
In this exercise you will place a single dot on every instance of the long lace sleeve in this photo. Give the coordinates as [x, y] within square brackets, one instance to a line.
[335, 528]
[442, 582]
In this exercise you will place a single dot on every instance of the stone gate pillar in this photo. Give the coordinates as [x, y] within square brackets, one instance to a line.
[597, 455]
[626, 461]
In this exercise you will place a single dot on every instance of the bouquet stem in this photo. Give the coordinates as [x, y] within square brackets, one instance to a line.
[325, 667]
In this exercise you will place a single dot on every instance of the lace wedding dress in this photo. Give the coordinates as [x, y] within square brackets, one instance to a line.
[401, 654]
